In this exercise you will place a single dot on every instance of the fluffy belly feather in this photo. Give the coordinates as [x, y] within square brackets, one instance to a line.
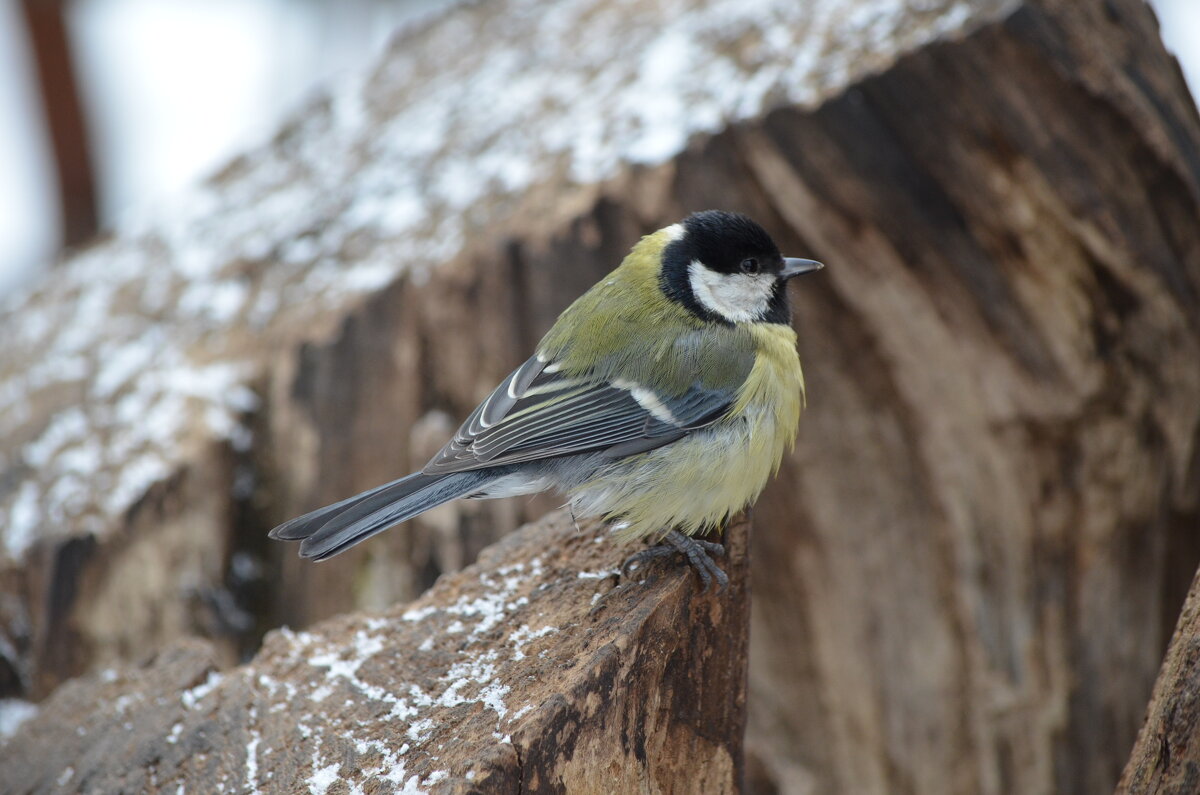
[690, 485]
[700, 480]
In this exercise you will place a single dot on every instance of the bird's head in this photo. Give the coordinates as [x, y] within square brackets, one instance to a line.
[725, 268]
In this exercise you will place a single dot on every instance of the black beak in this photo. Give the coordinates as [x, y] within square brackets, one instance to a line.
[795, 267]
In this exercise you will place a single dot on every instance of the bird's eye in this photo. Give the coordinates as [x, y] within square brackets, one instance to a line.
[749, 265]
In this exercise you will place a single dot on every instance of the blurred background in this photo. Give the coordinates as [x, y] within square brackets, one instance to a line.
[111, 105]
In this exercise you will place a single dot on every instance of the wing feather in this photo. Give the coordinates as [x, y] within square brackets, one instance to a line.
[539, 413]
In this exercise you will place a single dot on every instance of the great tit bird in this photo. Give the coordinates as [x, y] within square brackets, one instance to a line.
[662, 399]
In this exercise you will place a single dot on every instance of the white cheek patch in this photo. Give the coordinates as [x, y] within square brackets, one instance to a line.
[737, 297]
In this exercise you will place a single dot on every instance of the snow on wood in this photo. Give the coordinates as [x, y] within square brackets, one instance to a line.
[403, 702]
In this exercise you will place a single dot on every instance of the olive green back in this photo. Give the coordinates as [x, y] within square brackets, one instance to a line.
[626, 328]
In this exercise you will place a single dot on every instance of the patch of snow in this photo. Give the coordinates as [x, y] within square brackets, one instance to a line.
[420, 613]
[123, 363]
[217, 302]
[65, 428]
[418, 731]
[23, 520]
[191, 698]
[321, 780]
[468, 673]
[252, 759]
[603, 574]
[520, 713]
[522, 636]
[13, 713]
[492, 697]
[471, 677]
[338, 667]
[123, 701]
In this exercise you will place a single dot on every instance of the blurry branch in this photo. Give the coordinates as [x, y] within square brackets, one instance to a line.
[64, 118]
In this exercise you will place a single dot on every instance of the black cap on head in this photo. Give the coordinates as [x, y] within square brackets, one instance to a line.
[722, 241]
[726, 243]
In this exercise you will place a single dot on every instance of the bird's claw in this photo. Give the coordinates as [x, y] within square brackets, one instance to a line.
[697, 552]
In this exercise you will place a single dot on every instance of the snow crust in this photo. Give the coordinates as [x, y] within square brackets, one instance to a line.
[138, 349]
[192, 698]
[405, 721]
[371, 684]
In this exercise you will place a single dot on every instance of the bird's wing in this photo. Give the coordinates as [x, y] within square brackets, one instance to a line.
[539, 413]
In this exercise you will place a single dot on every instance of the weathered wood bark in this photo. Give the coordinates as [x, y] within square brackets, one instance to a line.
[968, 570]
[527, 672]
[1166, 758]
[53, 65]
[972, 563]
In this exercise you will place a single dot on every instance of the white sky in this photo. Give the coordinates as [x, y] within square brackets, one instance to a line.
[1180, 24]
[27, 212]
[164, 112]
[192, 108]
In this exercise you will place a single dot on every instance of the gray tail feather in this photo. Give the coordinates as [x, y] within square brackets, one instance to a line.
[303, 526]
[327, 531]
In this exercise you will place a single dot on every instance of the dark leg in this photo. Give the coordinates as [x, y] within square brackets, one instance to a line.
[697, 552]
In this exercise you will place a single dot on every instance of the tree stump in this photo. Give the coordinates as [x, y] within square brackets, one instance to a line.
[526, 672]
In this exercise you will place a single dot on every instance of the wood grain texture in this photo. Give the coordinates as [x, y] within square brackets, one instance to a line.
[999, 459]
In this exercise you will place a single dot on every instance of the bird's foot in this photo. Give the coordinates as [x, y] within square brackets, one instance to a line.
[699, 554]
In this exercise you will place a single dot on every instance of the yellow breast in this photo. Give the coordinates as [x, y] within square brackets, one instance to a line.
[700, 480]
[776, 380]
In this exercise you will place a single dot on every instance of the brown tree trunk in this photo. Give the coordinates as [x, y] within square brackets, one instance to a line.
[64, 117]
[967, 573]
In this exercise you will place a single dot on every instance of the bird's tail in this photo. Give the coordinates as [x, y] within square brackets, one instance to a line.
[327, 531]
